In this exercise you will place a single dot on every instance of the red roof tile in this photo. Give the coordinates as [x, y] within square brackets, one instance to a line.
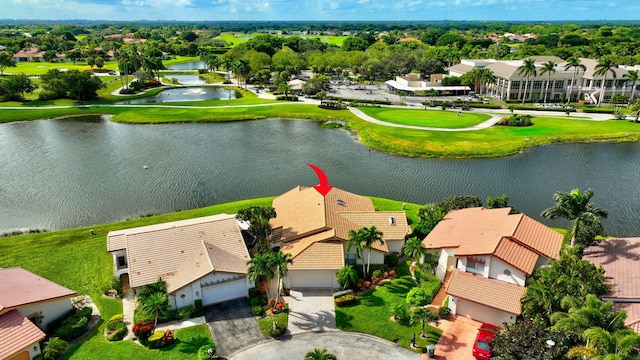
[620, 259]
[19, 287]
[17, 333]
[484, 291]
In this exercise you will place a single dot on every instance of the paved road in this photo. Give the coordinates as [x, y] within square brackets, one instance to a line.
[345, 345]
[233, 327]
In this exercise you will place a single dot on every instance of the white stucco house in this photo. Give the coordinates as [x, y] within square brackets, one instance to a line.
[314, 229]
[28, 303]
[199, 259]
[488, 255]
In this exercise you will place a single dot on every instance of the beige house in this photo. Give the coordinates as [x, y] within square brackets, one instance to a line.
[413, 82]
[314, 230]
[488, 254]
[28, 303]
[510, 85]
[199, 259]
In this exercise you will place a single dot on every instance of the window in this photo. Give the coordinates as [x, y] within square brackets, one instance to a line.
[608, 83]
[559, 84]
[515, 85]
[350, 259]
[122, 262]
[475, 265]
[537, 84]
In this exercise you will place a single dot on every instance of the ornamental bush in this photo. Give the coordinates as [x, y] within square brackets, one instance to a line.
[345, 300]
[75, 325]
[160, 339]
[417, 297]
[203, 352]
[277, 330]
[142, 330]
[115, 329]
[444, 312]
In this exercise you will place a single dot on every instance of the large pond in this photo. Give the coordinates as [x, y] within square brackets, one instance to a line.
[183, 94]
[187, 79]
[75, 172]
[189, 65]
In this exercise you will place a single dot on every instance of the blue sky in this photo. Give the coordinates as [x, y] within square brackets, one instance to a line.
[198, 10]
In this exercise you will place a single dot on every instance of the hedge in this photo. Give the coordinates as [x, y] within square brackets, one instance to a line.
[203, 352]
[345, 300]
[75, 325]
[598, 110]
[535, 108]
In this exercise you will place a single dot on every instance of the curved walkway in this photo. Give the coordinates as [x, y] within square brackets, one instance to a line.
[344, 345]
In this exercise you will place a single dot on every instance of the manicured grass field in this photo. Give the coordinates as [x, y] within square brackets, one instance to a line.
[495, 141]
[39, 68]
[372, 313]
[427, 118]
[238, 38]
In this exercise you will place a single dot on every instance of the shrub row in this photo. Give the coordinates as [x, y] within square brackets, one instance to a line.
[289, 98]
[598, 110]
[75, 325]
[360, 101]
[535, 108]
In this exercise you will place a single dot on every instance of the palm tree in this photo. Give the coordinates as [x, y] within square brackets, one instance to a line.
[280, 261]
[228, 65]
[605, 64]
[631, 76]
[347, 276]
[527, 69]
[576, 207]
[583, 315]
[601, 344]
[54, 348]
[318, 354]
[424, 316]
[156, 303]
[286, 89]
[243, 68]
[415, 249]
[260, 269]
[365, 237]
[548, 68]
[213, 62]
[356, 241]
[486, 77]
[574, 62]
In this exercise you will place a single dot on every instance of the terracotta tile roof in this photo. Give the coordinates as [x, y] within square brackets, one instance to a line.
[620, 259]
[17, 333]
[633, 314]
[516, 255]
[320, 256]
[28, 52]
[204, 259]
[489, 292]
[479, 231]
[305, 217]
[19, 287]
[157, 251]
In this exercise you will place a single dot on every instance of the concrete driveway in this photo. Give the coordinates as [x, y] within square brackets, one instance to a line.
[345, 345]
[311, 310]
[233, 327]
[458, 335]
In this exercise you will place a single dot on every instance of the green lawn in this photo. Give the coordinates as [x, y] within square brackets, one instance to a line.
[266, 323]
[427, 118]
[39, 68]
[371, 315]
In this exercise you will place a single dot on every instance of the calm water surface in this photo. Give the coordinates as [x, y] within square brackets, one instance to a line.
[182, 94]
[75, 172]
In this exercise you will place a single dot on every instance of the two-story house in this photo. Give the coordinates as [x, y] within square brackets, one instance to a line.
[488, 254]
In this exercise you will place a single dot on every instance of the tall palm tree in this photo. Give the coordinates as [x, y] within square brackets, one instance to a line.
[319, 354]
[280, 261]
[527, 69]
[156, 303]
[585, 314]
[260, 269]
[371, 236]
[574, 62]
[227, 63]
[243, 68]
[576, 207]
[415, 249]
[486, 77]
[423, 316]
[604, 66]
[548, 68]
[356, 241]
[213, 62]
[602, 344]
[631, 76]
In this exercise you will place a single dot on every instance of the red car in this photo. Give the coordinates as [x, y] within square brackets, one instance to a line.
[482, 345]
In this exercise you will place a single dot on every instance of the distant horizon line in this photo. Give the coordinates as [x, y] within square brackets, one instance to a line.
[320, 21]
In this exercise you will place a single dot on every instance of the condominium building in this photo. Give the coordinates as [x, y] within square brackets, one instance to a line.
[509, 84]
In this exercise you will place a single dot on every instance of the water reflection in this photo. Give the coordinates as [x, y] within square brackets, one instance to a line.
[183, 94]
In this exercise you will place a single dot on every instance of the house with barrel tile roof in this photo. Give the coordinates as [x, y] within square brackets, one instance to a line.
[485, 257]
[314, 229]
[28, 303]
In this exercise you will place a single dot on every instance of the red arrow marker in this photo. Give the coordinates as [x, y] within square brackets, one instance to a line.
[324, 186]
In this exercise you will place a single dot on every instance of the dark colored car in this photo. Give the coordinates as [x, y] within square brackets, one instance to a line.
[482, 345]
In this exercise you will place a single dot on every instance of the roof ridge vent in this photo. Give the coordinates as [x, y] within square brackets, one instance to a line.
[392, 220]
[341, 202]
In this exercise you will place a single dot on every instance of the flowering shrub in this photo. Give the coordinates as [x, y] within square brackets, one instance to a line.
[277, 330]
[160, 339]
[344, 300]
[142, 330]
[279, 306]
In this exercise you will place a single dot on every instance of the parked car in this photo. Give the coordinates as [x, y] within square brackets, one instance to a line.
[482, 345]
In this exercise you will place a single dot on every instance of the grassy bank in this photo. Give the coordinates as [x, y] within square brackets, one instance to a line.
[78, 260]
[426, 118]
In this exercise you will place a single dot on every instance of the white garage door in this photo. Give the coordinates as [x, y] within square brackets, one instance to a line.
[223, 292]
[325, 279]
[482, 313]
